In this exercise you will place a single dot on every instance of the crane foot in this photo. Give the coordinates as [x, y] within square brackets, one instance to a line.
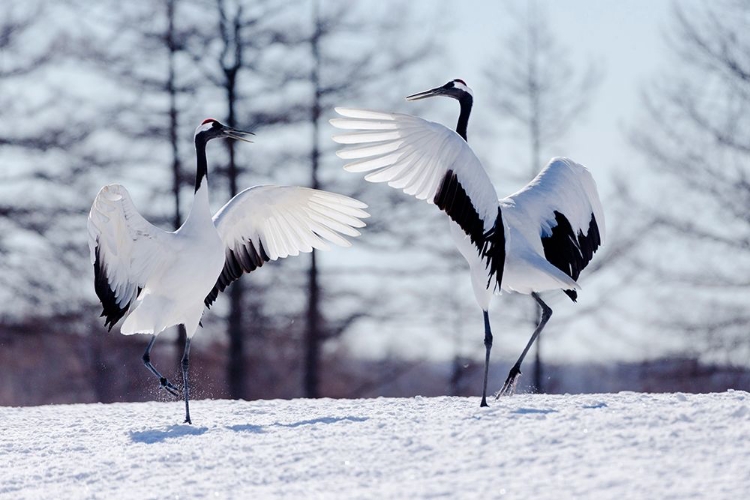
[169, 387]
[509, 387]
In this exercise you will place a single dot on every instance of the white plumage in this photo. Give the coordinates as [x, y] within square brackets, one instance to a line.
[288, 220]
[177, 270]
[535, 240]
[413, 155]
[562, 186]
[157, 279]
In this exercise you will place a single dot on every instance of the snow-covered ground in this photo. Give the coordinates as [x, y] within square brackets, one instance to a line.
[619, 446]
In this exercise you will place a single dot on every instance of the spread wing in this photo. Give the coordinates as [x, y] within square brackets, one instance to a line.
[265, 223]
[430, 162]
[561, 207]
[124, 248]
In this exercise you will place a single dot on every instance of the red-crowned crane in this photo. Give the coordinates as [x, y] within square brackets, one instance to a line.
[537, 239]
[157, 279]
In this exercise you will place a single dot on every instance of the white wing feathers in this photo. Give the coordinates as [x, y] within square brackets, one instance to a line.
[265, 223]
[287, 220]
[563, 186]
[414, 155]
[124, 249]
[559, 216]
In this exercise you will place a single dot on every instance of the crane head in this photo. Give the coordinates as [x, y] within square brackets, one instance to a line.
[456, 89]
[212, 129]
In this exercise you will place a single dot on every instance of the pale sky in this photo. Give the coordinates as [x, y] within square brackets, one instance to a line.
[625, 38]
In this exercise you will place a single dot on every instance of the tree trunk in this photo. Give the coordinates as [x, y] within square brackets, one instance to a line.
[535, 133]
[312, 333]
[174, 142]
[236, 372]
[235, 330]
[314, 317]
[538, 374]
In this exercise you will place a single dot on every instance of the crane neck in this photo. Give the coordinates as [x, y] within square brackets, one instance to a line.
[200, 212]
[201, 172]
[466, 102]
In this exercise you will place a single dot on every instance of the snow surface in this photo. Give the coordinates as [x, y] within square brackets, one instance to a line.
[626, 445]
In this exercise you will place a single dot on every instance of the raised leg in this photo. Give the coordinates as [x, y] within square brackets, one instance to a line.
[510, 383]
[165, 384]
[186, 385]
[487, 349]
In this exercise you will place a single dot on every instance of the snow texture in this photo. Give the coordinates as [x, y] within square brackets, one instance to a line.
[625, 445]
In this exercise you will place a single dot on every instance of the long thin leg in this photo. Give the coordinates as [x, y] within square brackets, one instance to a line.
[165, 384]
[487, 349]
[186, 385]
[510, 383]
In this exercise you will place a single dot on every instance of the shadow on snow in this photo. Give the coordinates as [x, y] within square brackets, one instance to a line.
[176, 431]
[322, 420]
[525, 411]
[173, 431]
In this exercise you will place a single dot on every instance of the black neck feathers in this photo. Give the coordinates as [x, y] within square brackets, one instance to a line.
[466, 102]
[202, 170]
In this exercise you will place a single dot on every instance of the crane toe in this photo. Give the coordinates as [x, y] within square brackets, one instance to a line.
[169, 387]
[509, 387]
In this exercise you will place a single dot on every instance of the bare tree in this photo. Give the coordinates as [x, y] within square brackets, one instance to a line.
[39, 267]
[171, 60]
[228, 53]
[694, 138]
[337, 76]
[539, 93]
[231, 61]
[143, 51]
[231, 57]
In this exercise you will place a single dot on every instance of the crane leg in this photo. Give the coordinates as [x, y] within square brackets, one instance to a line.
[487, 348]
[509, 387]
[186, 385]
[165, 384]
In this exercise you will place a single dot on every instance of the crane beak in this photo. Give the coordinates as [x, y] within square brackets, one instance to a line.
[427, 93]
[239, 135]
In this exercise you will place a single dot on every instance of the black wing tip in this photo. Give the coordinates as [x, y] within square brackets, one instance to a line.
[237, 262]
[211, 297]
[570, 252]
[111, 311]
[493, 250]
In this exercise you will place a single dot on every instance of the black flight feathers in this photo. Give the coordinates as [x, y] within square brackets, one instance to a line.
[453, 200]
[246, 259]
[110, 310]
[570, 252]
[564, 249]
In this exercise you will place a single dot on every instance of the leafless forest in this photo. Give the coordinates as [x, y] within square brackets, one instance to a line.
[93, 93]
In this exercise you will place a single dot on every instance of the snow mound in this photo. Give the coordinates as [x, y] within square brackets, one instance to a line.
[625, 445]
